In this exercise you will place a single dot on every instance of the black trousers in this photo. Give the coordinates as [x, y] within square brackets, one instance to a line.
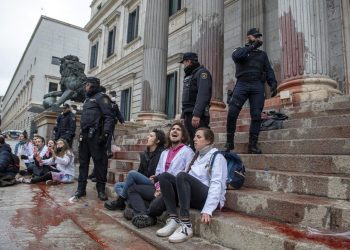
[89, 147]
[255, 92]
[190, 193]
[141, 199]
[204, 122]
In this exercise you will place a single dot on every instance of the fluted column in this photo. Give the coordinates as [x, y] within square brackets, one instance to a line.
[252, 16]
[304, 44]
[208, 42]
[155, 60]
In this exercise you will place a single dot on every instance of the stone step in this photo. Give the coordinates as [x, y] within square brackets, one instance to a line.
[308, 122]
[322, 164]
[127, 155]
[328, 146]
[123, 164]
[303, 210]
[336, 186]
[235, 231]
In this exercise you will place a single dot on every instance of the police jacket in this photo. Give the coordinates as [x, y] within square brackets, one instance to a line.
[253, 64]
[6, 160]
[65, 127]
[196, 93]
[98, 114]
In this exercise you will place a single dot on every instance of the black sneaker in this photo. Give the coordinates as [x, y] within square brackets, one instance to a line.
[102, 196]
[78, 194]
[142, 221]
[128, 213]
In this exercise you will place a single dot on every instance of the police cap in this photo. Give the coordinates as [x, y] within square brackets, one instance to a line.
[93, 80]
[254, 32]
[189, 56]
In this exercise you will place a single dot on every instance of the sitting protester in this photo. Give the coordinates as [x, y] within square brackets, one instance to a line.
[173, 160]
[7, 161]
[64, 170]
[200, 187]
[43, 161]
[24, 149]
[39, 152]
[148, 163]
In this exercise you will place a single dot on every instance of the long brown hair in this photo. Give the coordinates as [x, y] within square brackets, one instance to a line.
[185, 137]
[65, 148]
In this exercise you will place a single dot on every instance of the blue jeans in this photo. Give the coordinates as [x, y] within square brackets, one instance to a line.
[133, 177]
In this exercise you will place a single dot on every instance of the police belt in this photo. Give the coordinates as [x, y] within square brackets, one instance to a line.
[250, 78]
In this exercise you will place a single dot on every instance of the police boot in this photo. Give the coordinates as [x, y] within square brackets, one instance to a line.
[252, 147]
[101, 193]
[230, 145]
[81, 191]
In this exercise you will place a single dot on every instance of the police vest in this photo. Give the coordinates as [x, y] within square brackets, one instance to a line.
[252, 66]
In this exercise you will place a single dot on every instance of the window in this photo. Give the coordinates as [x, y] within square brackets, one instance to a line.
[53, 86]
[170, 95]
[125, 103]
[55, 60]
[111, 42]
[133, 25]
[174, 6]
[99, 6]
[93, 55]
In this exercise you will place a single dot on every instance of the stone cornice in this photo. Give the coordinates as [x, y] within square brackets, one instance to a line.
[127, 77]
[104, 9]
[52, 77]
[127, 3]
[111, 17]
[95, 33]
[175, 58]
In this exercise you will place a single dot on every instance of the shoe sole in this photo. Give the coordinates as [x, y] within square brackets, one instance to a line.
[142, 222]
[180, 240]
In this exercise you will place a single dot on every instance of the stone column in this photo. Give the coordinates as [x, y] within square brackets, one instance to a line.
[304, 44]
[208, 42]
[252, 16]
[155, 60]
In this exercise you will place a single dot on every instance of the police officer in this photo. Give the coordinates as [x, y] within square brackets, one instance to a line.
[96, 123]
[252, 70]
[65, 125]
[196, 94]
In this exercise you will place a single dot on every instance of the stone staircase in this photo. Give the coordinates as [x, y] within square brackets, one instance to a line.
[302, 179]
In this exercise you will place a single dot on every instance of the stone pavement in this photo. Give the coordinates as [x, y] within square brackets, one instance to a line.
[40, 217]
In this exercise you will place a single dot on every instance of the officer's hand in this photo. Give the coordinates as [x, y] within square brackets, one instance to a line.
[182, 121]
[102, 140]
[257, 44]
[195, 121]
[273, 91]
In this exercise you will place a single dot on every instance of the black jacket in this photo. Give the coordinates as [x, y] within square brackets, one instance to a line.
[252, 63]
[7, 163]
[196, 93]
[149, 161]
[65, 126]
[98, 114]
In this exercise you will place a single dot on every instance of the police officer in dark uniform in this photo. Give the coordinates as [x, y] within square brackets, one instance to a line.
[196, 94]
[252, 70]
[65, 125]
[96, 123]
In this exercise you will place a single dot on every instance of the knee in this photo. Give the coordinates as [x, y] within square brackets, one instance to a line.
[164, 176]
[181, 176]
[255, 115]
[131, 189]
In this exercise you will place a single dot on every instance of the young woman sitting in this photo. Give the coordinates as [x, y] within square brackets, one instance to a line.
[64, 170]
[148, 164]
[197, 187]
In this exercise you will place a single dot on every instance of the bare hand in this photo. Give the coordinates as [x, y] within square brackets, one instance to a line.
[182, 121]
[206, 218]
[157, 193]
[151, 178]
[195, 121]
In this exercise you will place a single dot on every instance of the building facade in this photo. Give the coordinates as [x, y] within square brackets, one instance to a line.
[38, 70]
[135, 46]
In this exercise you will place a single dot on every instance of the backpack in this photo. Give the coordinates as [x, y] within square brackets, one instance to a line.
[235, 169]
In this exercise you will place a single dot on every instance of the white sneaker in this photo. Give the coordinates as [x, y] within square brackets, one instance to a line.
[168, 229]
[181, 234]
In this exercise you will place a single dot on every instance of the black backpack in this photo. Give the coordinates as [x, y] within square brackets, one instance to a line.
[235, 169]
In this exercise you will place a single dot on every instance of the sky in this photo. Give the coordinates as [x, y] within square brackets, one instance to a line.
[18, 20]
